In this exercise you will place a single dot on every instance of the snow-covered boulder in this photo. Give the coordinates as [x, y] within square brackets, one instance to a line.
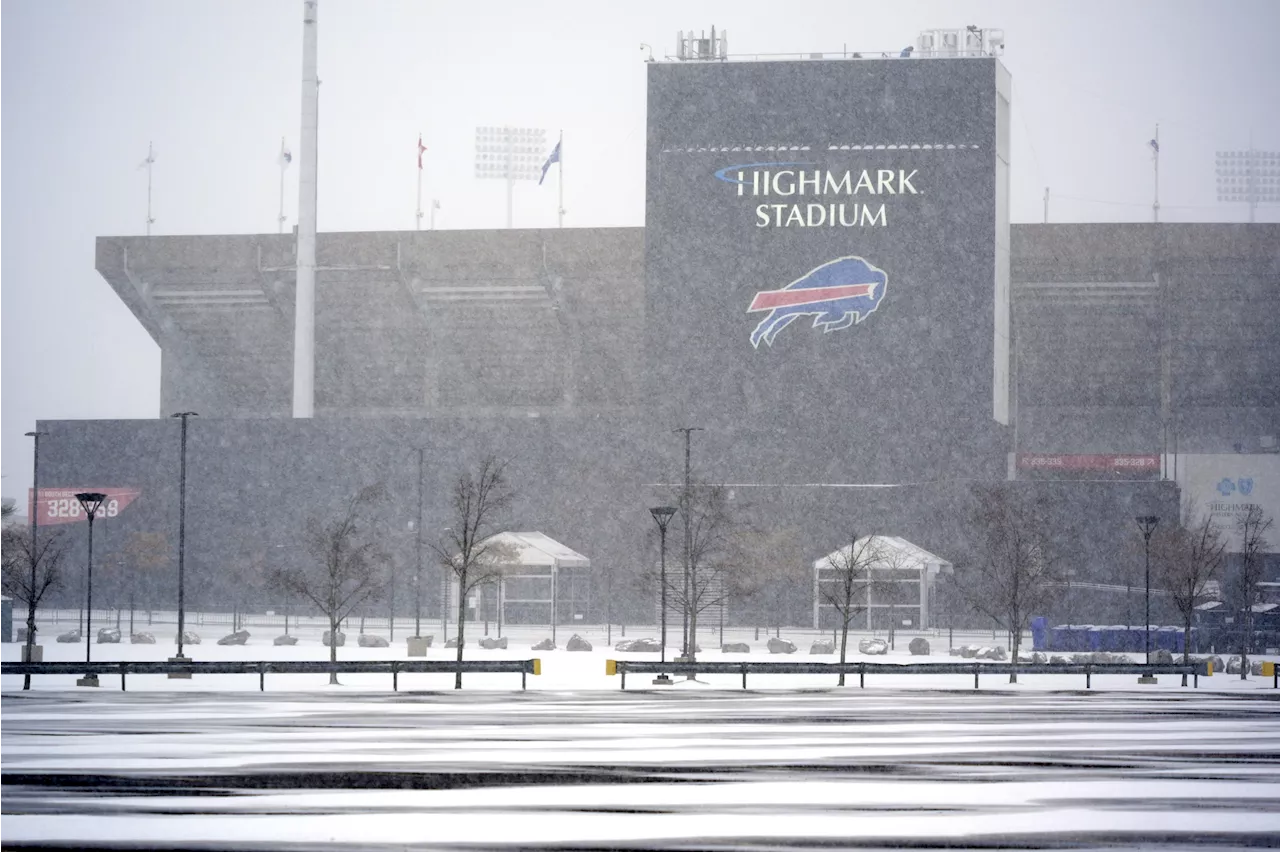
[190, 638]
[735, 648]
[492, 643]
[1255, 668]
[142, 639]
[108, 636]
[1162, 657]
[919, 647]
[1056, 660]
[970, 652]
[544, 645]
[369, 640]
[453, 643]
[873, 647]
[334, 641]
[639, 646]
[781, 646]
[577, 643]
[822, 646]
[997, 653]
[69, 636]
[285, 640]
[1233, 665]
[240, 637]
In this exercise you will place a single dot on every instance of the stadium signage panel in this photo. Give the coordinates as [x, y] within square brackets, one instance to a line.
[790, 180]
[1042, 461]
[60, 506]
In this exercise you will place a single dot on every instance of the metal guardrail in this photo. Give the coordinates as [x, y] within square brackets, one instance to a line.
[861, 669]
[393, 667]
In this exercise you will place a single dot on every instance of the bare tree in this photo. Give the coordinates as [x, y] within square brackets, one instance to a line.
[1187, 557]
[713, 545]
[347, 567]
[30, 572]
[1253, 527]
[1015, 566]
[844, 584]
[467, 547]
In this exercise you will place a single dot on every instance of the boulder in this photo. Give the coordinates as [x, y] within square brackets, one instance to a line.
[1038, 659]
[285, 640]
[1056, 660]
[69, 636]
[577, 643]
[453, 643]
[331, 641]
[997, 653]
[108, 636]
[491, 643]
[370, 640]
[240, 637]
[735, 648]
[544, 645]
[969, 652]
[1233, 664]
[873, 647]
[1218, 664]
[639, 646]
[956, 652]
[189, 638]
[1162, 657]
[781, 646]
[1255, 668]
[822, 646]
[919, 647]
[142, 639]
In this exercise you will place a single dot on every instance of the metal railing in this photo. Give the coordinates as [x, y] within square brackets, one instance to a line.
[261, 667]
[622, 667]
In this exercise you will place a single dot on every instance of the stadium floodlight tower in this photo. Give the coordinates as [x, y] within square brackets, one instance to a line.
[304, 314]
[510, 154]
[1250, 176]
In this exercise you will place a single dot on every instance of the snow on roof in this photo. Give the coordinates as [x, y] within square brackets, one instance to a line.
[537, 550]
[890, 553]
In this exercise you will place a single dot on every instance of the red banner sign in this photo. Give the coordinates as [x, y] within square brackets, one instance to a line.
[60, 506]
[1114, 463]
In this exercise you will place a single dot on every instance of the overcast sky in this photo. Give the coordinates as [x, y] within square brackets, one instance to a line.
[86, 86]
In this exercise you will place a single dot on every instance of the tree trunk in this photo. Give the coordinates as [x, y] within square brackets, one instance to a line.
[844, 644]
[31, 632]
[1016, 637]
[1246, 634]
[333, 647]
[462, 622]
[1186, 646]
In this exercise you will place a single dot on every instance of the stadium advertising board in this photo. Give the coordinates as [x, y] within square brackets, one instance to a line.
[60, 506]
[821, 248]
[1226, 485]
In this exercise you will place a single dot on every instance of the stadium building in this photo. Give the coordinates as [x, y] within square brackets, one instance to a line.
[834, 294]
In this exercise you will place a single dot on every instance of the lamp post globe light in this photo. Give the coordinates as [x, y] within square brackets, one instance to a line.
[1147, 526]
[91, 501]
[662, 515]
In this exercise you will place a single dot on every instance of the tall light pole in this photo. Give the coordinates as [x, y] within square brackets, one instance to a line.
[91, 501]
[689, 642]
[1147, 526]
[35, 550]
[182, 530]
[417, 576]
[662, 514]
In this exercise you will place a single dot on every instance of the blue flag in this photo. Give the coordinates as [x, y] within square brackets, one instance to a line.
[554, 158]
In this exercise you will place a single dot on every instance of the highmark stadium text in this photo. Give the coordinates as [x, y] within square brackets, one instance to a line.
[755, 180]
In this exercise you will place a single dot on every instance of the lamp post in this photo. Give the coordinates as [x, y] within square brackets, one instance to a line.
[35, 550]
[91, 501]
[690, 642]
[182, 532]
[662, 515]
[1147, 526]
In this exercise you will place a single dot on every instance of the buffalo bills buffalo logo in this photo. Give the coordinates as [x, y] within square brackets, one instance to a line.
[837, 294]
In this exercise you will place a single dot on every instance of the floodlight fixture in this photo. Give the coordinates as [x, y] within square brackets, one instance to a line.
[510, 154]
[1248, 176]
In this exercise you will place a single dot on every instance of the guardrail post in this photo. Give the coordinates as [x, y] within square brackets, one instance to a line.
[862, 675]
[623, 672]
[523, 674]
[1088, 676]
[744, 675]
[1195, 679]
[976, 668]
[123, 668]
[395, 677]
[262, 677]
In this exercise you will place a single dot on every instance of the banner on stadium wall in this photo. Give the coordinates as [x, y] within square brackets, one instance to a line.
[60, 506]
[1226, 485]
[1129, 463]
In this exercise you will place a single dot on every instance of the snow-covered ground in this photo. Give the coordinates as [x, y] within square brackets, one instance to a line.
[791, 763]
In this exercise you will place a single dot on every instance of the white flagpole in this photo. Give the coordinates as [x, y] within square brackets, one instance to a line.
[417, 219]
[560, 209]
[280, 217]
[1155, 207]
[151, 158]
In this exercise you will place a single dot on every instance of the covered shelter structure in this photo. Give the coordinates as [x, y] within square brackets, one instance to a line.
[893, 583]
[537, 580]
